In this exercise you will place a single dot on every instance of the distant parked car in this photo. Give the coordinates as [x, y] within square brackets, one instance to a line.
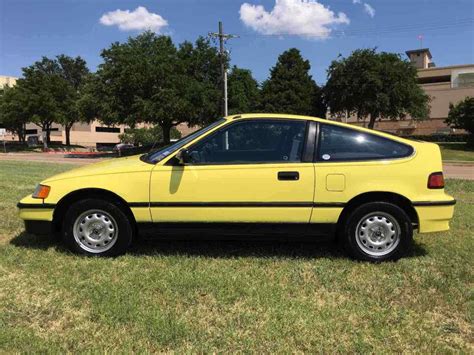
[264, 172]
[119, 148]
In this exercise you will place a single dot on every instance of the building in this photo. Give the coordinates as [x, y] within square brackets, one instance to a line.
[444, 85]
[7, 81]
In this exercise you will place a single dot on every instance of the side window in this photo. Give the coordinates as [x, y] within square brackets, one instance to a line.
[344, 144]
[262, 141]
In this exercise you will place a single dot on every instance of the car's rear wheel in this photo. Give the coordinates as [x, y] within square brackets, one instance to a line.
[377, 231]
[97, 228]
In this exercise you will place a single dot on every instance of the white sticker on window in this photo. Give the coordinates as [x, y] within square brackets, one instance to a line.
[326, 157]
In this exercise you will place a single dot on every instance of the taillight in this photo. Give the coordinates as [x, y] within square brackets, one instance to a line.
[436, 181]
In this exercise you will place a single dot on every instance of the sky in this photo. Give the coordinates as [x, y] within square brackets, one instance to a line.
[321, 29]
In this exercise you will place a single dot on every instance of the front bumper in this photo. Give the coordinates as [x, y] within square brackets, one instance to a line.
[36, 211]
[38, 216]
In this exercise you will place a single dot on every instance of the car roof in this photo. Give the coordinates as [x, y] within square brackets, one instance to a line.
[317, 119]
[272, 115]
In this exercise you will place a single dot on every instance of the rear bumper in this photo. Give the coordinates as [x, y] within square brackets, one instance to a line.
[434, 216]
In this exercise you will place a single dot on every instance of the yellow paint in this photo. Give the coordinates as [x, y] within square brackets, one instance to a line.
[36, 214]
[322, 182]
[326, 214]
[434, 219]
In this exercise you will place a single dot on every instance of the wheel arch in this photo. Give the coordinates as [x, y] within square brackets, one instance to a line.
[380, 196]
[82, 194]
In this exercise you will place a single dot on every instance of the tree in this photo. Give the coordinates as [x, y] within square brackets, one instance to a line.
[461, 116]
[13, 113]
[375, 85]
[243, 91]
[53, 88]
[290, 88]
[201, 64]
[47, 94]
[75, 72]
[147, 79]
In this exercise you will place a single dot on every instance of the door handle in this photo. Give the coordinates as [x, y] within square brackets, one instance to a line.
[288, 175]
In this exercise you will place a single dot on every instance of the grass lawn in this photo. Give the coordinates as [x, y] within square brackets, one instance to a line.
[232, 296]
[456, 151]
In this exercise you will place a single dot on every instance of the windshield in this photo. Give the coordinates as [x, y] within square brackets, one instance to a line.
[158, 155]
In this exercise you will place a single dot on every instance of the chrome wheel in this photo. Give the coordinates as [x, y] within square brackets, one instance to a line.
[378, 233]
[95, 231]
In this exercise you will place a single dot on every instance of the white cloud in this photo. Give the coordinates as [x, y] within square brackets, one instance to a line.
[137, 20]
[306, 18]
[369, 9]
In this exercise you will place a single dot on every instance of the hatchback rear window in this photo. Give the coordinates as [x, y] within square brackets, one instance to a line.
[345, 144]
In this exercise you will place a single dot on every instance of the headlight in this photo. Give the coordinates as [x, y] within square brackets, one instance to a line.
[41, 191]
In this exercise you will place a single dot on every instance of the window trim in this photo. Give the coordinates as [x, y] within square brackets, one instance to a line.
[318, 149]
[309, 147]
[301, 161]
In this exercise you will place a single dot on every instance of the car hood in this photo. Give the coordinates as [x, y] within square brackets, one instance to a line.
[109, 166]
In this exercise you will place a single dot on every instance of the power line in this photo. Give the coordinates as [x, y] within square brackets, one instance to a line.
[222, 38]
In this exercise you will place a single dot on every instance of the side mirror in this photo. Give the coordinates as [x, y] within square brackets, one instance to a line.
[183, 157]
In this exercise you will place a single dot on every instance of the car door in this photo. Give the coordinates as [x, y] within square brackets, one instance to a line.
[251, 170]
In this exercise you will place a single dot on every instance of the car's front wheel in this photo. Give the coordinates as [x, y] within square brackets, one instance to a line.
[97, 228]
[377, 231]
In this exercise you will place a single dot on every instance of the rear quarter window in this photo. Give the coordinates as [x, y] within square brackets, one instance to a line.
[345, 144]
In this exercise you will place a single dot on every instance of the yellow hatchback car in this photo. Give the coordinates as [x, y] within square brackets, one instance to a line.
[255, 173]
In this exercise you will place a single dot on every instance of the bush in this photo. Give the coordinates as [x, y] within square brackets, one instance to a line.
[146, 136]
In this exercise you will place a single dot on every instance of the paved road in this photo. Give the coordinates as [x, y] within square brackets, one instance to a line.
[464, 171]
[451, 171]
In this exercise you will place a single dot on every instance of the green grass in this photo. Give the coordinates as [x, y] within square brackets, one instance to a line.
[232, 296]
[456, 151]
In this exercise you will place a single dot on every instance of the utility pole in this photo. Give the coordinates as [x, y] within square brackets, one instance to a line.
[222, 38]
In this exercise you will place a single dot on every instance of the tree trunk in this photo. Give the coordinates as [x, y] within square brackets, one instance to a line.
[372, 120]
[22, 133]
[46, 134]
[68, 134]
[166, 133]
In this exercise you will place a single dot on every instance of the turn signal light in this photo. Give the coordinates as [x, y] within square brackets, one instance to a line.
[41, 191]
[436, 181]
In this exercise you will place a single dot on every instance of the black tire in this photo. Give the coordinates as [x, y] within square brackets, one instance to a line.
[123, 227]
[359, 248]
